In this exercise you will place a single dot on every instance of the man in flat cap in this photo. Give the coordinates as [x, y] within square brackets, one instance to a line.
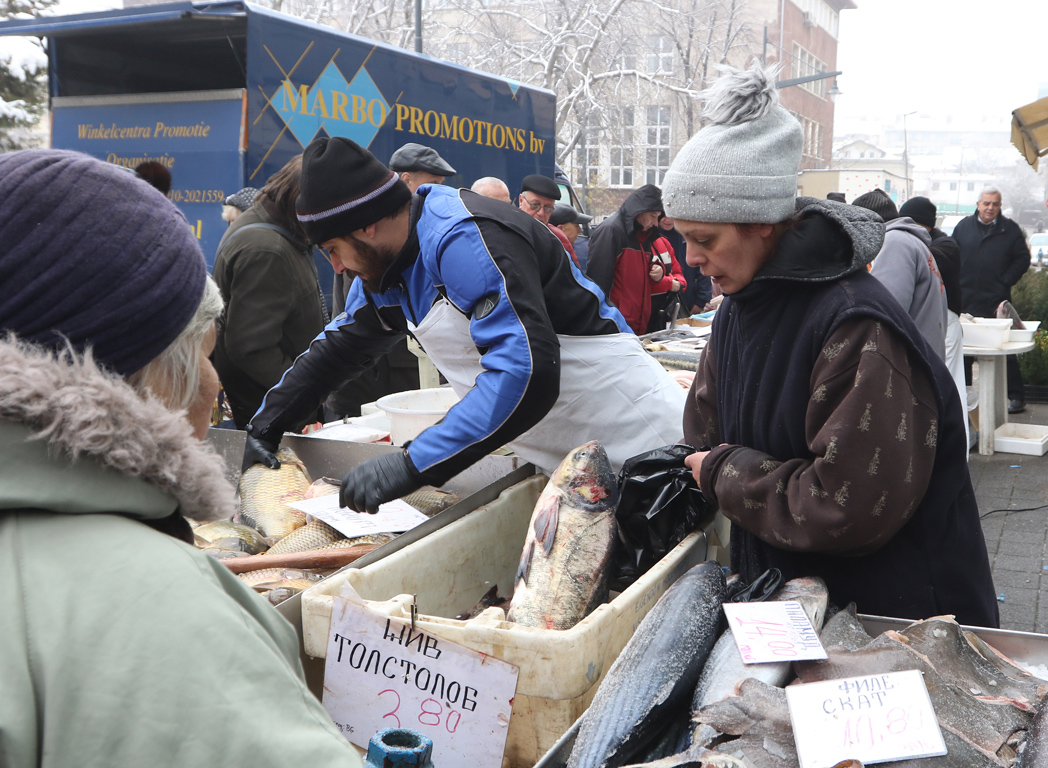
[569, 221]
[538, 195]
[538, 358]
[418, 165]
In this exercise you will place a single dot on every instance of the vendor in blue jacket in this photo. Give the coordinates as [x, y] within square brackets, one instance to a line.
[539, 359]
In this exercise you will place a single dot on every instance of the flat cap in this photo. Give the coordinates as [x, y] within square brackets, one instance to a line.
[540, 185]
[565, 214]
[416, 157]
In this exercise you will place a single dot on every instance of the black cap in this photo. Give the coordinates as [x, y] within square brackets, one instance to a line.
[565, 214]
[540, 185]
[416, 157]
[242, 199]
[920, 209]
[878, 201]
[837, 197]
[344, 188]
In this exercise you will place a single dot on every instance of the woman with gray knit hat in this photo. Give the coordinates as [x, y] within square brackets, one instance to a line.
[108, 318]
[831, 434]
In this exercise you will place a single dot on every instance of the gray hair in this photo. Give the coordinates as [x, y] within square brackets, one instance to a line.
[487, 184]
[989, 191]
[174, 375]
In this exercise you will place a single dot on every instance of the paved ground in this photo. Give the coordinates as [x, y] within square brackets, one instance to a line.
[1016, 539]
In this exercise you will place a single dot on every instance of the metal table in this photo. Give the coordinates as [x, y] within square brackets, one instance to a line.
[993, 388]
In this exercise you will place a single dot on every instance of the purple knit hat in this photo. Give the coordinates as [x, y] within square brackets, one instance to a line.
[93, 255]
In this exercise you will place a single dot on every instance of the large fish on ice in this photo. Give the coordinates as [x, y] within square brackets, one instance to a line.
[265, 494]
[656, 672]
[564, 570]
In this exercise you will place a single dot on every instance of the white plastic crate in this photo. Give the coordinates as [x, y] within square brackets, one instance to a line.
[986, 332]
[451, 568]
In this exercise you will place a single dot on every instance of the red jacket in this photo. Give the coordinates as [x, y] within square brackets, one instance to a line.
[670, 267]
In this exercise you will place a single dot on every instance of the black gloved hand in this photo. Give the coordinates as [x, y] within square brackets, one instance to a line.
[377, 481]
[258, 451]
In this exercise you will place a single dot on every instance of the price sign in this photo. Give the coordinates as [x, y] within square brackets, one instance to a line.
[873, 719]
[381, 673]
[392, 517]
[774, 631]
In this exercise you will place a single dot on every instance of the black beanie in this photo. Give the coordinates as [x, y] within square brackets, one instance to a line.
[920, 209]
[878, 201]
[92, 256]
[344, 188]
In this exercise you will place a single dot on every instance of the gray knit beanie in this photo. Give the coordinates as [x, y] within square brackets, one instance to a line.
[742, 166]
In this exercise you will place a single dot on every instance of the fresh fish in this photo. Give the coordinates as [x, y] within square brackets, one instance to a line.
[724, 670]
[1005, 311]
[314, 535]
[655, 673]
[490, 598]
[940, 640]
[224, 534]
[990, 729]
[430, 501]
[265, 494]
[325, 486]
[564, 570]
[845, 630]
[759, 717]
[370, 538]
[1033, 752]
[1006, 665]
[265, 579]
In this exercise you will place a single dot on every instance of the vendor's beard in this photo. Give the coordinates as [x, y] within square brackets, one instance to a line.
[376, 262]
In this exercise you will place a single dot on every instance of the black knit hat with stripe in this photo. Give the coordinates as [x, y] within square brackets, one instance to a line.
[344, 188]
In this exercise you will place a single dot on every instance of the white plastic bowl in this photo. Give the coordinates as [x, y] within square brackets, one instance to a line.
[1027, 333]
[413, 411]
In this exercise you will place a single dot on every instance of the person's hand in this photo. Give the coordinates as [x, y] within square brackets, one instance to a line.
[377, 481]
[259, 452]
[656, 273]
[694, 463]
[674, 286]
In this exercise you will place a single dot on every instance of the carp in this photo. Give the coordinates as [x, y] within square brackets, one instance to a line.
[655, 674]
[265, 494]
[431, 501]
[564, 569]
[230, 536]
[314, 535]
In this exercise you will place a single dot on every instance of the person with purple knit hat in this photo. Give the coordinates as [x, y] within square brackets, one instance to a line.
[122, 644]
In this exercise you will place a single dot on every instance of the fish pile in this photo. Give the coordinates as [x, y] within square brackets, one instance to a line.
[989, 708]
[267, 524]
[564, 569]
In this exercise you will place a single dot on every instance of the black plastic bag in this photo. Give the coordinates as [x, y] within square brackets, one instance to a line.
[659, 505]
[757, 591]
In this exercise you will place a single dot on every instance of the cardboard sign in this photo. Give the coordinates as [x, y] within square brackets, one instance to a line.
[392, 517]
[873, 719]
[773, 631]
[381, 673]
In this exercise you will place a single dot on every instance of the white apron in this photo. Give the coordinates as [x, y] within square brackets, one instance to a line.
[611, 390]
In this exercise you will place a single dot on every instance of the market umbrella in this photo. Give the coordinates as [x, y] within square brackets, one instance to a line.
[1030, 130]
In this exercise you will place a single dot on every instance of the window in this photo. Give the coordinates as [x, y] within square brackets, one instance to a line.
[657, 152]
[971, 186]
[620, 172]
[804, 63]
[862, 154]
[953, 186]
[888, 186]
[587, 166]
[660, 55]
[935, 186]
[626, 56]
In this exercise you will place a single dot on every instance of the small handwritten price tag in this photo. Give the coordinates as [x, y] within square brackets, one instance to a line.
[872, 719]
[774, 631]
[381, 673]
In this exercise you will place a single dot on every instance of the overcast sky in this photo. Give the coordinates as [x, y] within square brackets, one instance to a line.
[959, 57]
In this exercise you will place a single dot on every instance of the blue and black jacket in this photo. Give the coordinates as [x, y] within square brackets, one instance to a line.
[499, 267]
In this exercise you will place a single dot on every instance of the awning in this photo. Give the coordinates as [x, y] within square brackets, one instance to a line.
[1030, 130]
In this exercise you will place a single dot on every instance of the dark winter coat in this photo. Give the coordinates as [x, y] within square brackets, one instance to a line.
[993, 258]
[273, 309]
[839, 445]
[620, 257]
[948, 259]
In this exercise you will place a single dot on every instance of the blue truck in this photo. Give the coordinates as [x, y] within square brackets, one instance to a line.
[224, 94]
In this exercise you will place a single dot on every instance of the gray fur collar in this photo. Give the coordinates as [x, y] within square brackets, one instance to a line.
[82, 411]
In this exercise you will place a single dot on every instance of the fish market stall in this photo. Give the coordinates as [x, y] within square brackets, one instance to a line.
[434, 584]
[978, 679]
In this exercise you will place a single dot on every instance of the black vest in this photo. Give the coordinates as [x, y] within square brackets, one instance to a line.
[767, 339]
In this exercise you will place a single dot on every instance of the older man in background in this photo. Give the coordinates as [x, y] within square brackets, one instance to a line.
[493, 187]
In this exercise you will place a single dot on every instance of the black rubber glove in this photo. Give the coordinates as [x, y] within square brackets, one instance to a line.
[377, 481]
[260, 452]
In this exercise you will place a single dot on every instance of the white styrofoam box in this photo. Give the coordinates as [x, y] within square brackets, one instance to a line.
[986, 332]
[1031, 439]
[451, 568]
[413, 411]
[1027, 334]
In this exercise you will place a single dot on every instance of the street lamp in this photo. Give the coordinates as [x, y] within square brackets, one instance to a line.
[906, 153]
